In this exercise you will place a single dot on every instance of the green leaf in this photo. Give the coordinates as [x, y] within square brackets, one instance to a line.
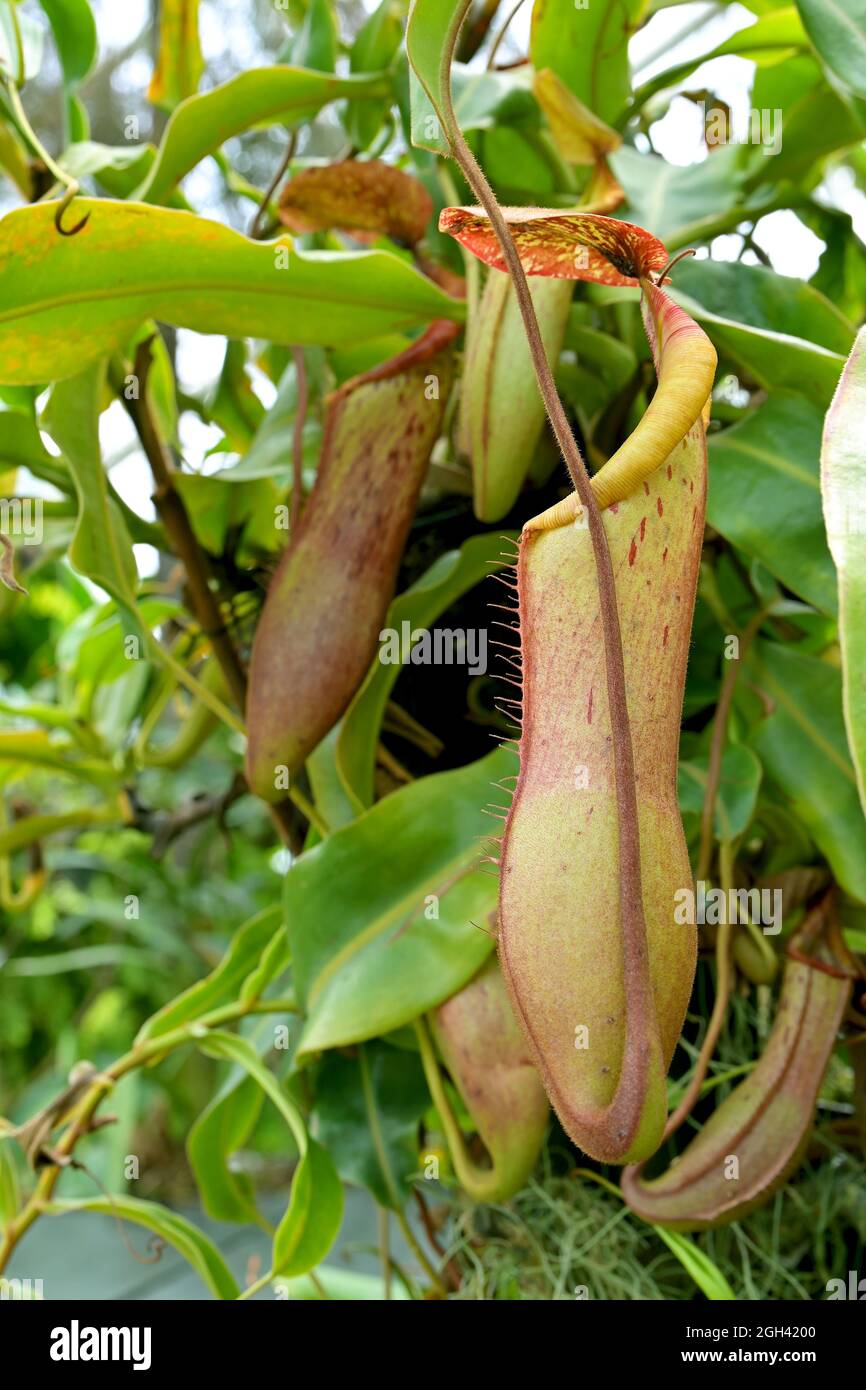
[14, 161]
[223, 984]
[74, 31]
[776, 360]
[101, 548]
[66, 302]
[587, 47]
[32, 44]
[817, 121]
[221, 1129]
[312, 1219]
[317, 40]
[35, 748]
[757, 296]
[367, 958]
[837, 28]
[21, 445]
[430, 39]
[843, 485]
[738, 789]
[765, 495]
[482, 101]
[367, 1114]
[705, 1272]
[377, 42]
[803, 749]
[451, 576]
[170, 1226]
[179, 62]
[262, 96]
[342, 1285]
[270, 451]
[10, 1192]
[674, 201]
[331, 798]
[118, 168]
[773, 37]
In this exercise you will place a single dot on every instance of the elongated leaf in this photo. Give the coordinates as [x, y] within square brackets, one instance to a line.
[756, 296]
[772, 36]
[32, 43]
[765, 495]
[218, 1132]
[224, 983]
[803, 748]
[816, 121]
[74, 31]
[35, 748]
[738, 789]
[674, 200]
[14, 161]
[587, 46]
[843, 485]
[66, 302]
[430, 40]
[311, 1222]
[452, 575]
[315, 44]
[10, 1193]
[119, 169]
[170, 1226]
[180, 63]
[837, 28]
[382, 916]
[373, 50]
[101, 548]
[276, 95]
[775, 360]
[705, 1272]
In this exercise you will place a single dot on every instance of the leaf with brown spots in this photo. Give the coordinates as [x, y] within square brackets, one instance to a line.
[363, 197]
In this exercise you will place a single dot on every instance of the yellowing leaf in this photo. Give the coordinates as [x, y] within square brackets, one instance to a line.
[180, 64]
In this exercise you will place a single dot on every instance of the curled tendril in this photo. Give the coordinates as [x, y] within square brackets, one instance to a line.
[66, 200]
[663, 274]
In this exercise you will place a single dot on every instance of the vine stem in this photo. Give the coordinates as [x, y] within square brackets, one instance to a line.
[150, 1051]
[720, 1004]
[66, 181]
[500, 36]
[388, 1176]
[628, 1100]
[719, 736]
